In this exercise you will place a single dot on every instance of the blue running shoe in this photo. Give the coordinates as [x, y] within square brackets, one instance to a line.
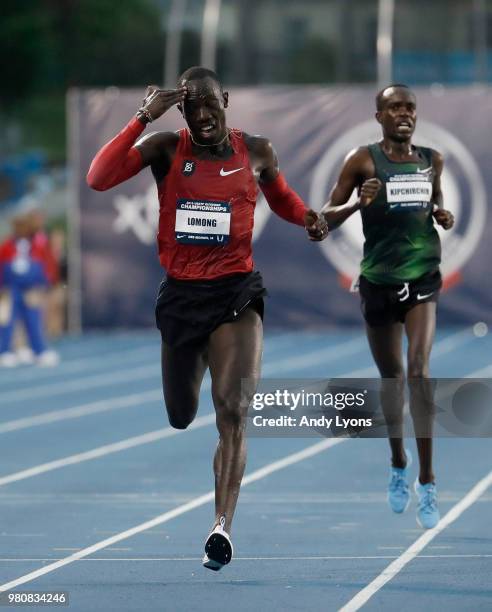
[398, 493]
[427, 514]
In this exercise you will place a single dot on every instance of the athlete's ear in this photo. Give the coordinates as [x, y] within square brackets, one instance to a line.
[225, 96]
[378, 116]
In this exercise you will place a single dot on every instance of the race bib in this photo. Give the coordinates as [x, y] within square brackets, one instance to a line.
[408, 192]
[202, 222]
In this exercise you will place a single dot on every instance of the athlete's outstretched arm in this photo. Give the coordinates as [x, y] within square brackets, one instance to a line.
[119, 159]
[357, 172]
[281, 198]
[442, 217]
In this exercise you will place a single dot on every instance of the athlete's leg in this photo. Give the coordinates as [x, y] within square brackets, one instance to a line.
[183, 368]
[420, 325]
[234, 353]
[386, 348]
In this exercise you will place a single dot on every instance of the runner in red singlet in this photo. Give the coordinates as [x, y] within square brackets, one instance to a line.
[210, 306]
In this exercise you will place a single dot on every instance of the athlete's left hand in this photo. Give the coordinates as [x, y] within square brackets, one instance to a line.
[315, 225]
[444, 218]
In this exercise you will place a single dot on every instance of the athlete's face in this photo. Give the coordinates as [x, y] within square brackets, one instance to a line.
[204, 110]
[398, 115]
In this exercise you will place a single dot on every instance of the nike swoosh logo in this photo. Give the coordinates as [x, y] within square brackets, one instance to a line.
[393, 206]
[178, 236]
[425, 170]
[227, 172]
[422, 297]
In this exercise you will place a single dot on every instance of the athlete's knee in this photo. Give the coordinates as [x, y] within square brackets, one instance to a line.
[181, 406]
[178, 421]
[231, 417]
[231, 426]
[418, 366]
[180, 414]
[396, 374]
[392, 385]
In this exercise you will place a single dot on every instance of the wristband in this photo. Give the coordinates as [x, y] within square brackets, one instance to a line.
[145, 112]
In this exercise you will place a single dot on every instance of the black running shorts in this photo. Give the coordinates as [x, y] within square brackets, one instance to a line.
[188, 311]
[384, 304]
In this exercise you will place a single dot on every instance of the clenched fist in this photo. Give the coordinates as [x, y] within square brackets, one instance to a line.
[316, 226]
[444, 218]
[369, 191]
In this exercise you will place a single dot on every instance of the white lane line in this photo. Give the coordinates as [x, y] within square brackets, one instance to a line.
[168, 500]
[66, 549]
[22, 535]
[237, 559]
[446, 345]
[82, 384]
[412, 551]
[116, 447]
[116, 403]
[87, 363]
[453, 341]
[485, 372]
[327, 355]
[259, 474]
[112, 548]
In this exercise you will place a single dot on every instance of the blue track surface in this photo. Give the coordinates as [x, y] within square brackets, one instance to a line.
[309, 536]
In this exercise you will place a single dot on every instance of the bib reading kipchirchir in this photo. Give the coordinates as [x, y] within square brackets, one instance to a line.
[202, 222]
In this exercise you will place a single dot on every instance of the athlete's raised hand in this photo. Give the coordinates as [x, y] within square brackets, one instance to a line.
[444, 218]
[159, 101]
[369, 191]
[316, 226]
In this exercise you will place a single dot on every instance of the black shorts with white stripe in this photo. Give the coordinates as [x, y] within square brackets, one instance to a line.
[384, 304]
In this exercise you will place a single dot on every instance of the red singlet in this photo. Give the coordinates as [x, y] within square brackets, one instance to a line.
[206, 213]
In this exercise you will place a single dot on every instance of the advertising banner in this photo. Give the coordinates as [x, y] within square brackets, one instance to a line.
[312, 130]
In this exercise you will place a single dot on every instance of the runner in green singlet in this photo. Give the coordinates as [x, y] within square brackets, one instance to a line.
[400, 200]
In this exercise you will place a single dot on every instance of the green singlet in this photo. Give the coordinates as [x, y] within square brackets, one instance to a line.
[401, 242]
